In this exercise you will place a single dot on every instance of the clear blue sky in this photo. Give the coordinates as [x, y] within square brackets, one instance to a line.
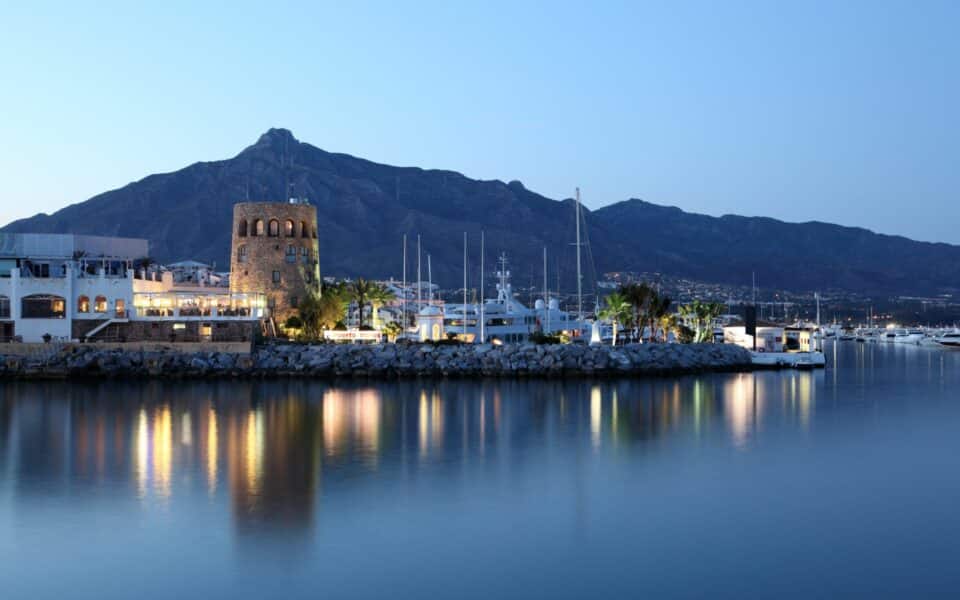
[836, 111]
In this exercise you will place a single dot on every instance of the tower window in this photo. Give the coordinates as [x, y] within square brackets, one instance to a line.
[304, 230]
[289, 229]
[274, 230]
[276, 277]
[242, 228]
[257, 227]
[291, 256]
[242, 254]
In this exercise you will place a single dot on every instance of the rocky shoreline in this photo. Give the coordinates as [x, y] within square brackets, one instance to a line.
[381, 361]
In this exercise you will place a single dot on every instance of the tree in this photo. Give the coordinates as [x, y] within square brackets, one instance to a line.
[616, 309]
[360, 292]
[658, 308]
[379, 295]
[318, 312]
[392, 329]
[701, 316]
[638, 295]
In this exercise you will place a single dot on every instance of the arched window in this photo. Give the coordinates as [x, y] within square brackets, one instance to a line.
[241, 254]
[274, 230]
[242, 228]
[289, 229]
[304, 229]
[257, 227]
[314, 233]
[43, 306]
[100, 304]
[120, 308]
[83, 304]
[4, 307]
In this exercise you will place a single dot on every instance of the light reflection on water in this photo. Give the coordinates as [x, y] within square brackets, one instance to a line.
[307, 465]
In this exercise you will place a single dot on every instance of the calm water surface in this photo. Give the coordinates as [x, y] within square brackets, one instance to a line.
[840, 482]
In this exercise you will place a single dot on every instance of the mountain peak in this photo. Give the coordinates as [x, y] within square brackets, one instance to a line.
[277, 134]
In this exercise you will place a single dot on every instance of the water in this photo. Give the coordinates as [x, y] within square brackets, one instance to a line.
[793, 484]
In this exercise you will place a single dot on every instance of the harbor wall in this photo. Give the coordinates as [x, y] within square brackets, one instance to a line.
[374, 361]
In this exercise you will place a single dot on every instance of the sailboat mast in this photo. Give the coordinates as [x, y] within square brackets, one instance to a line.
[546, 294]
[579, 276]
[419, 277]
[429, 281]
[464, 286]
[403, 309]
[483, 320]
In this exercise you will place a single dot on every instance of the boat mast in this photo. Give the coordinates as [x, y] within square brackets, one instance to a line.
[429, 281]
[419, 277]
[403, 309]
[546, 293]
[483, 320]
[579, 277]
[464, 286]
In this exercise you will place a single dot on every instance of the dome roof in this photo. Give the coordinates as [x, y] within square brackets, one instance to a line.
[430, 311]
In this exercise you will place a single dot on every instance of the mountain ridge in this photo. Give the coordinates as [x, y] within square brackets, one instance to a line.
[365, 207]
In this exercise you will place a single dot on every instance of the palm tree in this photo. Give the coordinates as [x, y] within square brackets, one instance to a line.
[617, 310]
[658, 308]
[638, 296]
[360, 291]
[379, 295]
[701, 315]
[669, 323]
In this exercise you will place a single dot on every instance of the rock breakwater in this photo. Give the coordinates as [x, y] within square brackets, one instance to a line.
[382, 361]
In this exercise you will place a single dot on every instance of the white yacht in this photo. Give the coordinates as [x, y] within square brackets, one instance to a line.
[507, 320]
[950, 339]
[909, 336]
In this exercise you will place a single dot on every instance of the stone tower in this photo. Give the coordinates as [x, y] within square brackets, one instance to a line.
[275, 251]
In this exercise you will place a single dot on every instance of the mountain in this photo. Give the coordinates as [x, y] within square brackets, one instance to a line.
[364, 208]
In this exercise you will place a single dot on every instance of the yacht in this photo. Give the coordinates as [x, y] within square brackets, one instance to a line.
[909, 336]
[950, 339]
[507, 320]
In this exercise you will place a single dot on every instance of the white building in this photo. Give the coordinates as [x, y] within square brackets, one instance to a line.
[65, 286]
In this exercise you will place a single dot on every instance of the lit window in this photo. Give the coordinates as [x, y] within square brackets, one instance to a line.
[257, 227]
[274, 230]
[42, 306]
[120, 307]
[288, 229]
[100, 304]
[83, 304]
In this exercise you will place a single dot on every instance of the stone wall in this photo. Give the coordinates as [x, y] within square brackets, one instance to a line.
[257, 255]
[383, 361]
[164, 331]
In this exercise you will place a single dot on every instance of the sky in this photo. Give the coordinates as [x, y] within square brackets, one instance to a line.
[844, 112]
